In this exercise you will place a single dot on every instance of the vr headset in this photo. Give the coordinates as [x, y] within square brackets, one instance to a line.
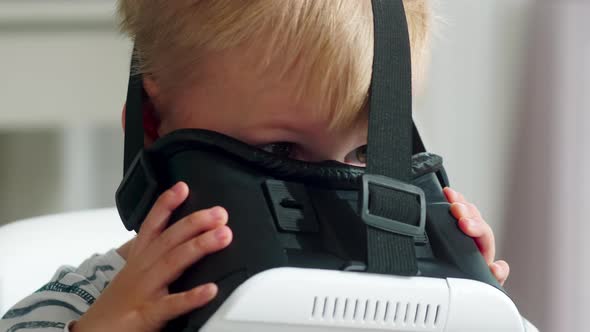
[324, 246]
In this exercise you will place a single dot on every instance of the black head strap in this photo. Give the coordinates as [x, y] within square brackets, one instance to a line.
[133, 115]
[393, 210]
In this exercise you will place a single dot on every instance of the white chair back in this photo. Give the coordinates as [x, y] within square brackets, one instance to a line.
[32, 250]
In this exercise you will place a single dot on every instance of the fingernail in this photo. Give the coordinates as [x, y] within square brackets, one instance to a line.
[494, 267]
[207, 291]
[461, 207]
[217, 212]
[178, 187]
[210, 289]
[471, 223]
[221, 233]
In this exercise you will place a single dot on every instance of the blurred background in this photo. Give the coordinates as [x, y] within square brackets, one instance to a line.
[506, 105]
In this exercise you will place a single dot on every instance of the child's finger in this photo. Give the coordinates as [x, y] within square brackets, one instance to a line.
[454, 196]
[483, 235]
[501, 270]
[451, 195]
[460, 210]
[173, 263]
[157, 218]
[465, 210]
[185, 229]
[174, 305]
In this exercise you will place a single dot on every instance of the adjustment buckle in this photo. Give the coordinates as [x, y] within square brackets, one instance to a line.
[391, 225]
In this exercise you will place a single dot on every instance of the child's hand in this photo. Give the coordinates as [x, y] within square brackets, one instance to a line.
[472, 224]
[137, 300]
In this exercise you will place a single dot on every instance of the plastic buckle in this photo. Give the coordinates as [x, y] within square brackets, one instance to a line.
[390, 225]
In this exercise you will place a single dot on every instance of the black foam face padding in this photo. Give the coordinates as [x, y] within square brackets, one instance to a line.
[265, 195]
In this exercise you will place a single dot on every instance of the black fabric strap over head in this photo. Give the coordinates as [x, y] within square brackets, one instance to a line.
[391, 209]
[133, 115]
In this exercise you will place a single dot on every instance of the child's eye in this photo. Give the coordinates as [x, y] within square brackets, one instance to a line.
[357, 157]
[281, 149]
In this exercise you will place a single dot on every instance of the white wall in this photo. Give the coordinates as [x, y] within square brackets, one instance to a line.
[63, 69]
[469, 110]
[548, 240]
[62, 63]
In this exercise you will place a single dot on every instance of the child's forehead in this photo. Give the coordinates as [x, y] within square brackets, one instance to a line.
[330, 42]
[257, 106]
[234, 82]
[301, 81]
[322, 48]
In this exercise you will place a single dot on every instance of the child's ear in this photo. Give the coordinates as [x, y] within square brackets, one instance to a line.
[151, 87]
[151, 123]
[151, 120]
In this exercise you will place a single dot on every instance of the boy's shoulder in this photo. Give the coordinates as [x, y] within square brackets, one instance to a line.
[69, 293]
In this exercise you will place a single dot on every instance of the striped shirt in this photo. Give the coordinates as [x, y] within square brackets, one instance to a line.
[65, 298]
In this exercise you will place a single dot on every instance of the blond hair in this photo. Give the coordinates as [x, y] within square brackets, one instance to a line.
[330, 41]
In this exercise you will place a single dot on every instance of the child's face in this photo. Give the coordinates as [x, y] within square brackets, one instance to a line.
[234, 99]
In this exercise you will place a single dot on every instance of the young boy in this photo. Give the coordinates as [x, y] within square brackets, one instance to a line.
[291, 77]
